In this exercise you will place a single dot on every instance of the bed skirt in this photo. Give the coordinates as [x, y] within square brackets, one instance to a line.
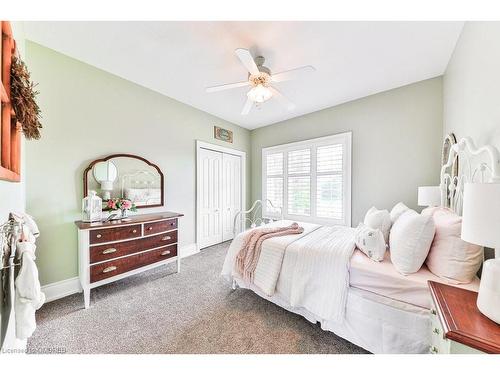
[375, 323]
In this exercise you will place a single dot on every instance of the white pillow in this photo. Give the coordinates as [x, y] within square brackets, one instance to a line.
[397, 210]
[410, 241]
[379, 219]
[450, 257]
[371, 242]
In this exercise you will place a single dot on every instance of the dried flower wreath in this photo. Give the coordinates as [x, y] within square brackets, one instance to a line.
[23, 99]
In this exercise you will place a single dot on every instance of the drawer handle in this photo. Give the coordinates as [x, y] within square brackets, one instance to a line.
[99, 236]
[436, 331]
[134, 231]
[172, 224]
[433, 312]
[166, 238]
[109, 251]
[150, 228]
[166, 252]
[434, 350]
[109, 269]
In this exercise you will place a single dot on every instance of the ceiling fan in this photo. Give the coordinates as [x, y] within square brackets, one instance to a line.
[260, 80]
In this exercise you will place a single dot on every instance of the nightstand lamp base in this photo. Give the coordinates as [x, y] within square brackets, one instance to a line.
[488, 300]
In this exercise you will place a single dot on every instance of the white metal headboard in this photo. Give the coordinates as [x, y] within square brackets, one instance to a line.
[452, 187]
[251, 217]
[139, 179]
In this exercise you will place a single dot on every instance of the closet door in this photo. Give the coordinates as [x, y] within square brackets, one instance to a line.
[210, 198]
[231, 193]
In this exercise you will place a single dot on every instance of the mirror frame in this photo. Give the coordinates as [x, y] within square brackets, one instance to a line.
[449, 140]
[91, 165]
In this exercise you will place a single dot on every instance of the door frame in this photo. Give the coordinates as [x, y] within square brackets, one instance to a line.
[213, 147]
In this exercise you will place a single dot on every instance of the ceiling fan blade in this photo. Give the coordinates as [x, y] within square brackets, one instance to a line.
[292, 73]
[247, 107]
[282, 99]
[226, 86]
[247, 60]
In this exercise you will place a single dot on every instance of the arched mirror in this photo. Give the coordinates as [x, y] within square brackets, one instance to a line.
[125, 176]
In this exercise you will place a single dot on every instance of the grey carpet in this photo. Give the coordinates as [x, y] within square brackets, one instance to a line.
[196, 311]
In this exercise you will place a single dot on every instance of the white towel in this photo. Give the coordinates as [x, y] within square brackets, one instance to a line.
[29, 227]
[28, 293]
[29, 296]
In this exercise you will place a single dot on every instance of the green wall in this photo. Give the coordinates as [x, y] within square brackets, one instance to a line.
[88, 113]
[396, 143]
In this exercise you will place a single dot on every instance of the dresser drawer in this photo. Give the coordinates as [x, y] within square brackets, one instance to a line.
[118, 266]
[115, 234]
[100, 253]
[159, 226]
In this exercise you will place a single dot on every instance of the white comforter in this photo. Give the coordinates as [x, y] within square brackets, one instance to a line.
[311, 269]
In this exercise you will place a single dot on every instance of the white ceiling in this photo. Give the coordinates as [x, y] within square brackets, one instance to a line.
[180, 59]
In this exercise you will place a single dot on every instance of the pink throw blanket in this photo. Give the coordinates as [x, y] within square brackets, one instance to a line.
[248, 256]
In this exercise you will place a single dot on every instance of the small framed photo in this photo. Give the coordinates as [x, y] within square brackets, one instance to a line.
[223, 134]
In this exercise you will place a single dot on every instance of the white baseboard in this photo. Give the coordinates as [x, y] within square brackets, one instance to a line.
[67, 287]
[189, 250]
[61, 289]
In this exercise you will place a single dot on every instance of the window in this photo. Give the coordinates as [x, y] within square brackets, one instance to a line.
[309, 180]
[10, 136]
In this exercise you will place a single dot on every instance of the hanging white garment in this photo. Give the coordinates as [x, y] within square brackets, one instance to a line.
[28, 296]
[29, 228]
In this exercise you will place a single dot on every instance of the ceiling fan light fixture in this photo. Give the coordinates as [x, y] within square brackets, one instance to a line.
[259, 94]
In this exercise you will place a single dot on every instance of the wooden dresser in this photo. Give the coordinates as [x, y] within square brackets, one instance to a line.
[457, 325]
[111, 251]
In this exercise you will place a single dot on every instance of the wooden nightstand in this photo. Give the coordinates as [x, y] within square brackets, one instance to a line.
[457, 326]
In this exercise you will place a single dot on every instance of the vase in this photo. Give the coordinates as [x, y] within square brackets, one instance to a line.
[124, 213]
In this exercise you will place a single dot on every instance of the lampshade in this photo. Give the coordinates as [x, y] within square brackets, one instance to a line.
[481, 214]
[429, 196]
[106, 185]
[259, 94]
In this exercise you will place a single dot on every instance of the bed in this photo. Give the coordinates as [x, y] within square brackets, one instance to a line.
[378, 309]
[381, 317]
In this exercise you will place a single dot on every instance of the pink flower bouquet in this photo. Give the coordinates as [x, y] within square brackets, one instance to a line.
[120, 204]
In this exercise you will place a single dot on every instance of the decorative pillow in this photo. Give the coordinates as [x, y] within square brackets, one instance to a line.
[450, 257]
[379, 219]
[371, 242]
[410, 241]
[397, 210]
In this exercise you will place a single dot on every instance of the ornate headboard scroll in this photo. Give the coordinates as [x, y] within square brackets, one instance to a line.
[253, 217]
[452, 186]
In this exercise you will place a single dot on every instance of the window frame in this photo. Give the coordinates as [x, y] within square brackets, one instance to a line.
[341, 138]
[10, 134]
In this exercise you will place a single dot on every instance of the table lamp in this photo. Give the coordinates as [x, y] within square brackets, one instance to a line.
[106, 188]
[429, 196]
[481, 226]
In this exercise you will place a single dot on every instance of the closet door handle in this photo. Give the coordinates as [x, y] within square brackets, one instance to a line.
[166, 252]
[109, 251]
[166, 238]
[109, 269]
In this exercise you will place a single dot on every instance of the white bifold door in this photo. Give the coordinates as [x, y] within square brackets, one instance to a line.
[219, 196]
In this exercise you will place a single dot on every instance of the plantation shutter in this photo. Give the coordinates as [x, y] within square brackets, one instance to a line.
[274, 182]
[329, 182]
[299, 182]
[310, 180]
